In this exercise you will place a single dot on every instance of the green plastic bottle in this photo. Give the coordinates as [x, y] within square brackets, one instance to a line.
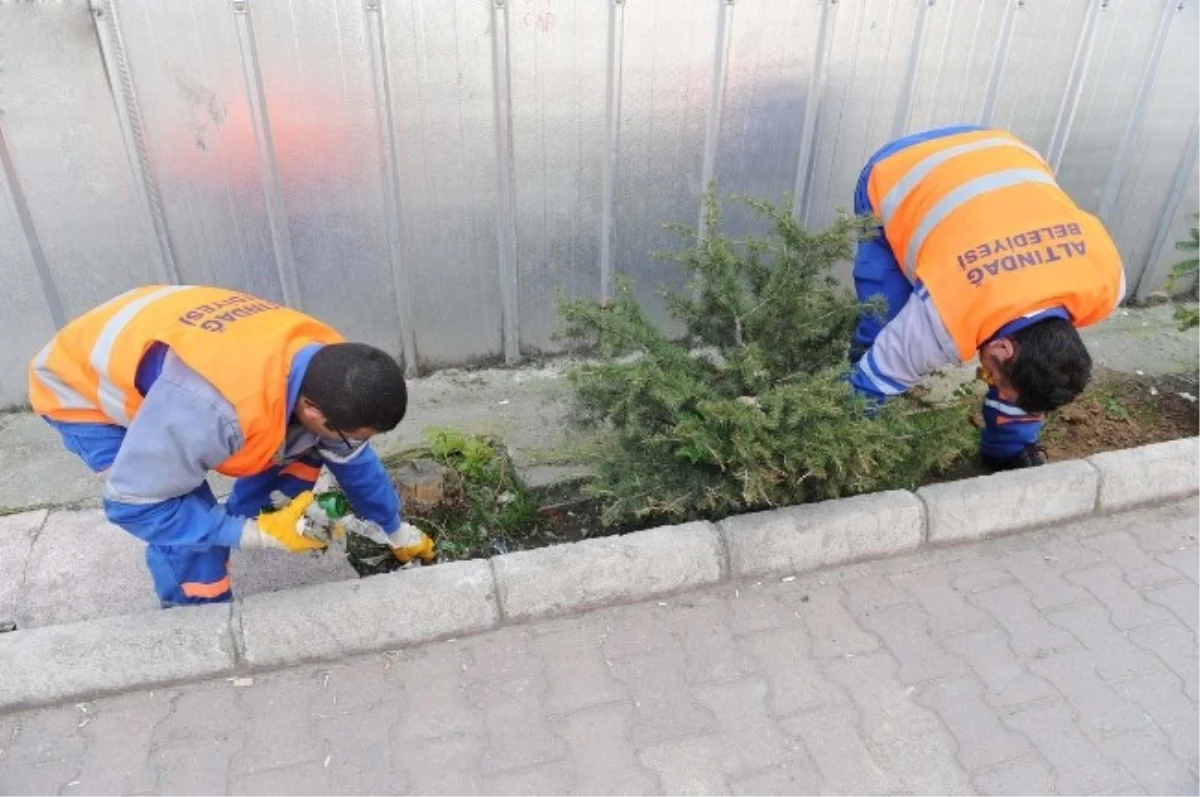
[334, 504]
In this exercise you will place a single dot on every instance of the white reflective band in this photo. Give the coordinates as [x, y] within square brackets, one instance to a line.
[66, 396]
[965, 193]
[920, 170]
[112, 400]
[1005, 409]
[883, 387]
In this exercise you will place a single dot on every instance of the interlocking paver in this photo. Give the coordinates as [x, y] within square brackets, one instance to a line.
[945, 609]
[54, 735]
[1030, 775]
[1102, 712]
[120, 737]
[286, 732]
[1144, 753]
[601, 747]
[311, 778]
[197, 767]
[556, 777]
[1158, 694]
[905, 632]
[1059, 661]
[983, 740]
[1079, 767]
[577, 673]
[1123, 549]
[1128, 608]
[795, 681]
[1029, 632]
[664, 704]
[839, 752]
[1009, 681]
[687, 765]
[1041, 573]
[1176, 646]
[791, 780]
[1116, 656]
[1181, 600]
[831, 629]
[705, 632]
[750, 738]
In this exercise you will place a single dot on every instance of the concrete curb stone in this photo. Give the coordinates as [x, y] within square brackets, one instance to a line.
[56, 663]
[987, 506]
[801, 538]
[1148, 474]
[328, 621]
[563, 578]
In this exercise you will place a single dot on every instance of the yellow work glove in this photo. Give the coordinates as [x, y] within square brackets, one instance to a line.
[282, 529]
[409, 542]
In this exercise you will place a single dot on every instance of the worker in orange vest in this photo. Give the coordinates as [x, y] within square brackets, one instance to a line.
[979, 251]
[162, 384]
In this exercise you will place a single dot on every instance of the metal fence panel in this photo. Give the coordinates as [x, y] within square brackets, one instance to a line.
[667, 88]
[873, 46]
[315, 64]
[959, 51]
[441, 79]
[1163, 153]
[28, 320]
[191, 93]
[431, 177]
[1032, 68]
[559, 51]
[1124, 36]
[772, 52]
[67, 155]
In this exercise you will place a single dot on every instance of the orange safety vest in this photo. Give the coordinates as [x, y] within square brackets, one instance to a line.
[978, 218]
[242, 345]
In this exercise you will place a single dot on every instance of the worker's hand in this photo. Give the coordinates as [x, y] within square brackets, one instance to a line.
[409, 542]
[282, 529]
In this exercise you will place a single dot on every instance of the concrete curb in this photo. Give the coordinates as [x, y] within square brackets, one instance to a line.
[987, 506]
[547, 582]
[57, 664]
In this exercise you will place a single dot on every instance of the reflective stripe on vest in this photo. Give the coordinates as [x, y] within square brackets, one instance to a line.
[964, 193]
[66, 396]
[922, 169]
[112, 399]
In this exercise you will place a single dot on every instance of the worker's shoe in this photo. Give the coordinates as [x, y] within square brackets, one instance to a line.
[1029, 457]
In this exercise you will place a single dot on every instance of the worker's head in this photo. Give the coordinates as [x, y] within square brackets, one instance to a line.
[1039, 368]
[351, 392]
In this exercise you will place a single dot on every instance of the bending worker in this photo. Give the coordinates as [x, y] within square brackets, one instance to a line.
[160, 385]
[980, 251]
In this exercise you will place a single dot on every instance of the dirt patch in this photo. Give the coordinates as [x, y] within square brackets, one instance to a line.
[1124, 411]
[1117, 411]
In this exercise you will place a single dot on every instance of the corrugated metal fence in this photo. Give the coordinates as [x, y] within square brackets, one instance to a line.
[429, 175]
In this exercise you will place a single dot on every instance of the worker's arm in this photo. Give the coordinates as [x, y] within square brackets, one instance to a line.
[1007, 429]
[366, 483]
[370, 491]
[184, 429]
[909, 347]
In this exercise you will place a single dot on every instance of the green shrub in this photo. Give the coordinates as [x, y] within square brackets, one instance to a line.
[750, 409]
[1187, 317]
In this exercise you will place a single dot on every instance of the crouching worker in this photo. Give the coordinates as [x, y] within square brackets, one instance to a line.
[160, 385]
[980, 252]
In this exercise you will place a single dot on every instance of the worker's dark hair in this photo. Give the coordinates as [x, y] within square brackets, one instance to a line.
[1050, 366]
[356, 386]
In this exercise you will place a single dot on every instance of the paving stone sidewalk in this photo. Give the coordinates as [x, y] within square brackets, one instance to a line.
[1052, 662]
